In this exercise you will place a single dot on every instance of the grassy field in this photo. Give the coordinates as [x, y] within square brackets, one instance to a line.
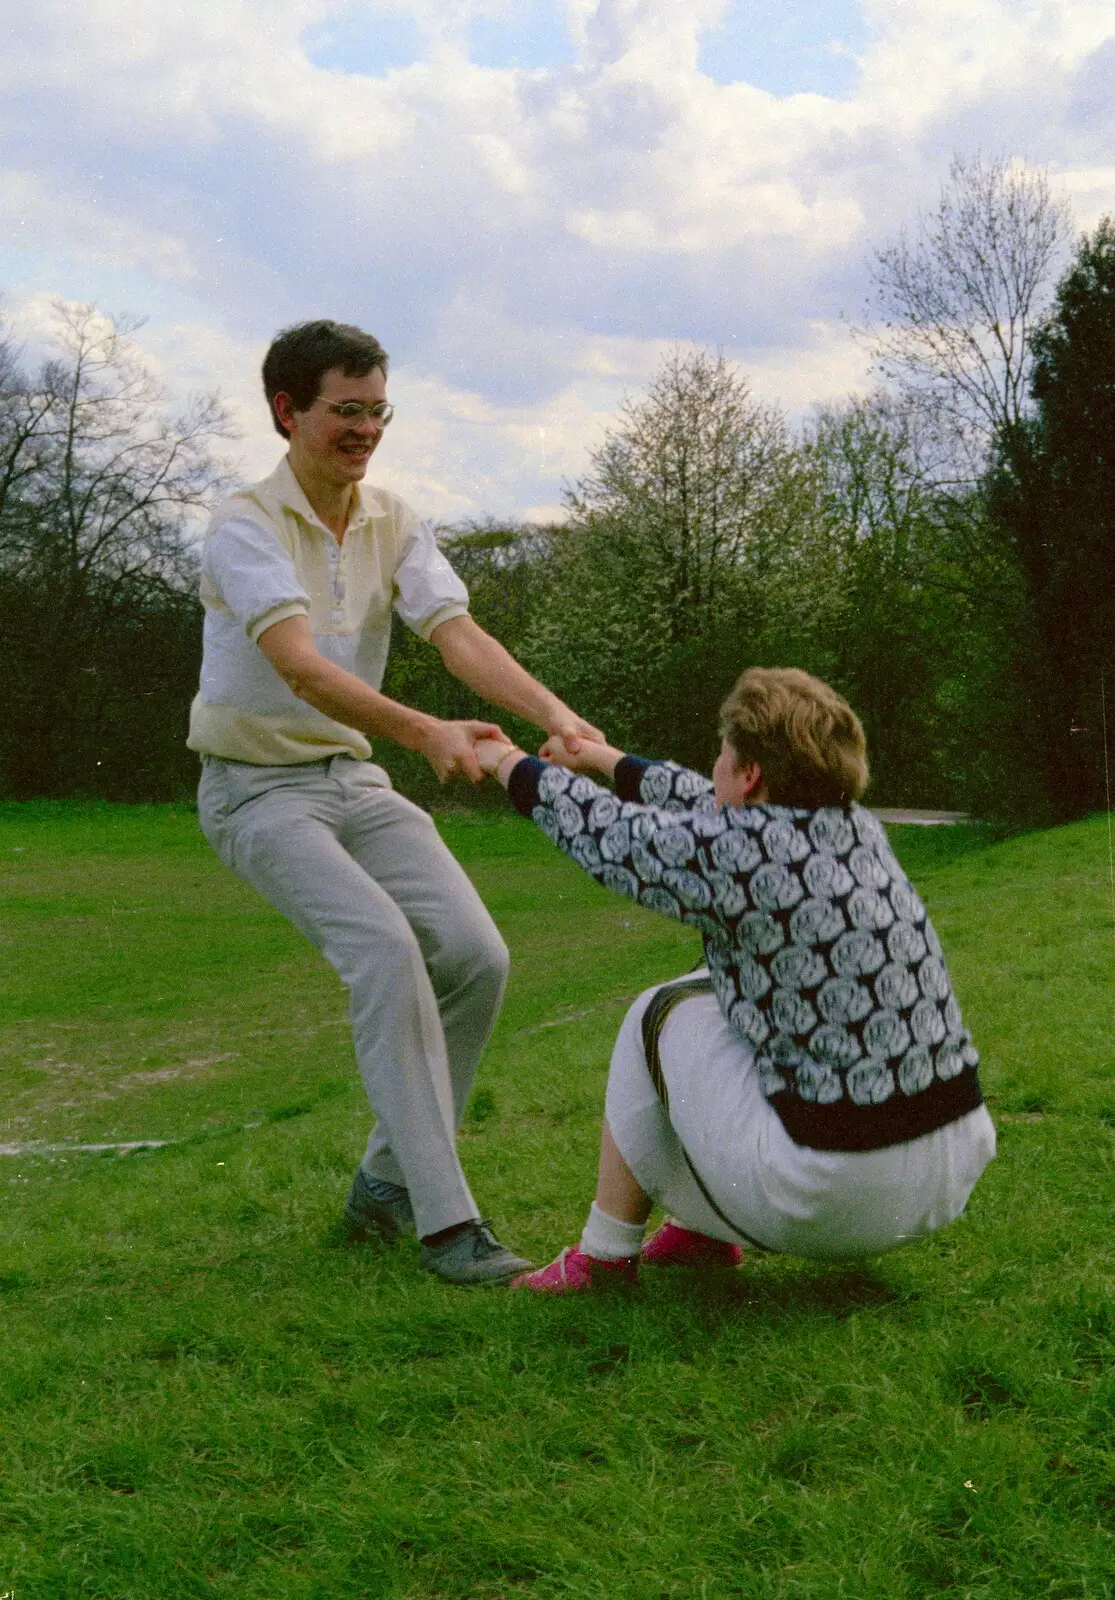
[207, 1391]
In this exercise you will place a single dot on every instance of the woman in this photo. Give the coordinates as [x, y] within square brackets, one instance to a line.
[813, 1089]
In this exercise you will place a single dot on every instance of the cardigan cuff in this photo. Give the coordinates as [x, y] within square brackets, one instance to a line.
[522, 785]
[628, 777]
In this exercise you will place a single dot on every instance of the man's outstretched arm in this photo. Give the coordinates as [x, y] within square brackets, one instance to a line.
[447, 746]
[492, 672]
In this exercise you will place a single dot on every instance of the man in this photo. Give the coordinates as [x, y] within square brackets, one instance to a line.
[300, 574]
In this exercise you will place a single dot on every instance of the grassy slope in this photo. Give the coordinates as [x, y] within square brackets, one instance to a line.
[209, 1392]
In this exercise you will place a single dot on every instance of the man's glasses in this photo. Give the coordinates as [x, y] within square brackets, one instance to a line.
[356, 411]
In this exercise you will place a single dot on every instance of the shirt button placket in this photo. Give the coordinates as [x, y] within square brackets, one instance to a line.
[336, 585]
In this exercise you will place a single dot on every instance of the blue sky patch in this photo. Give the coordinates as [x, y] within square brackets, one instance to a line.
[365, 42]
[115, 289]
[787, 46]
[784, 46]
[534, 35]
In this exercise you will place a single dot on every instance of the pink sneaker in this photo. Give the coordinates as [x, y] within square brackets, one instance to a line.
[575, 1273]
[674, 1246]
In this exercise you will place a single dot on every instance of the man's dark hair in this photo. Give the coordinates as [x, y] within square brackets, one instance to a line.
[300, 357]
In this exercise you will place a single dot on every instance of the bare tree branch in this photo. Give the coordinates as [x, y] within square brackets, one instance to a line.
[959, 300]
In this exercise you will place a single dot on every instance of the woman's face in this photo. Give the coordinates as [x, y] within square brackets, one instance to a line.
[736, 786]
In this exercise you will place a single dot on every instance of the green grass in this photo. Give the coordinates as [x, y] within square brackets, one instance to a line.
[207, 1391]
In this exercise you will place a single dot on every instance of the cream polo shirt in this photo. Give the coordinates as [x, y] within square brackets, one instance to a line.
[268, 556]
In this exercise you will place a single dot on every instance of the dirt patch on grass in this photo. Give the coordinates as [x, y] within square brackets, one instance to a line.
[190, 1069]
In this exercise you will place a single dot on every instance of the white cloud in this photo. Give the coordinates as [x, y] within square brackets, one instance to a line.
[456, 455]
[826, 367]
[649, 40]
[76, 224]
[1092, 192]
[451, 453]
[525, 242]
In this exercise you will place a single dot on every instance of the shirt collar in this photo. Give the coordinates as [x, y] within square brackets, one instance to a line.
[292, 497]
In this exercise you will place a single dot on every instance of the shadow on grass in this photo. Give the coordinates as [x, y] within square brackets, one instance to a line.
[688, 1316]
[835, 1292]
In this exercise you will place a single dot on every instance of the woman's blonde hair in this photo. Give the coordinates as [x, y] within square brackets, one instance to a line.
[805, 737]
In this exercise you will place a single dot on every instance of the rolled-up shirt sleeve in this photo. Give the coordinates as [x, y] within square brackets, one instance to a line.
[254, 575]
[427, 590]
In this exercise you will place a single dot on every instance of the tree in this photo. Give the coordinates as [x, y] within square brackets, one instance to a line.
[99, 486]
[672, 575]
[1052, 492]
[879, 627]
[909, 637]
[960, 304]
[960, 301]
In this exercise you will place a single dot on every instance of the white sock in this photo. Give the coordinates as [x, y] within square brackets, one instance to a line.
[608, 1239]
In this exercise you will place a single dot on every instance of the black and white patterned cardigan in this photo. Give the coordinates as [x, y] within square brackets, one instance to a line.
[821, 954]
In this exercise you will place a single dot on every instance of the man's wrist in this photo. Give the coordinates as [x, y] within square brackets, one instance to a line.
[558, 717]
[417, 730]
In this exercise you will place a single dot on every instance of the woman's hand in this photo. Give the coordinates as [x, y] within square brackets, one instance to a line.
[491, 752]
[571, 730]
[589, 755]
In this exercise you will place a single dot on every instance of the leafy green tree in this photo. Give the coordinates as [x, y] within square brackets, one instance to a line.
[881, 628]
[1053, 497]
[683, 562]
[909, 638]
[960, 303]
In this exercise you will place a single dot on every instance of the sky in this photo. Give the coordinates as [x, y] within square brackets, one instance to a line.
[527, 201]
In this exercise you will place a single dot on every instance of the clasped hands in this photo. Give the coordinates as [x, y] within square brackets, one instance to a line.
[474, 750]
[573, 750]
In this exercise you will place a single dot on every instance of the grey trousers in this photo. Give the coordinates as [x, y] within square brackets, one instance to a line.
[363, 874]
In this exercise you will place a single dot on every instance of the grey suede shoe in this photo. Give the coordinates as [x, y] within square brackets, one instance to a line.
[474, 1255]
[376, 1206]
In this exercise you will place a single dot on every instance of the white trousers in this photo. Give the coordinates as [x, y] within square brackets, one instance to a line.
[363, 874]
[773, 1192]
